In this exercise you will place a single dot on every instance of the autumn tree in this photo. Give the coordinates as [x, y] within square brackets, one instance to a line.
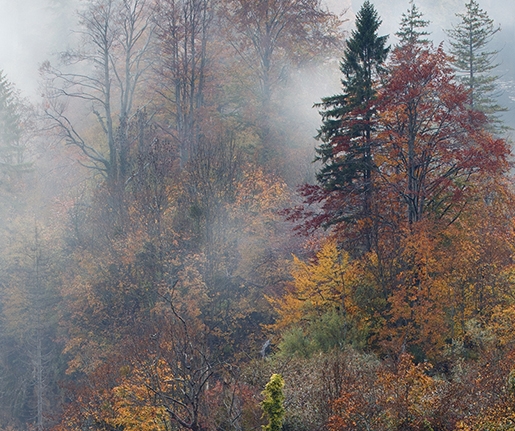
[347, 151]
[206, 145]
[474, 61]
[176, 367]
[432, 158]
[270, 36]
[434, 147]
[272, 403]
[155, 375]
[435, 153]
[320, 309]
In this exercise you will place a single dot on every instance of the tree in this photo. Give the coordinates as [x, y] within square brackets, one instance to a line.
[106, 73]
[155, 375]
[12, 113]
[268, 36]
[402, 396]
[319, 310]
[272, 404]
[345, 179]
[412, 25]
[474, 61]
[434, 156]
[432, 147]
[29, 350]
[183, 29]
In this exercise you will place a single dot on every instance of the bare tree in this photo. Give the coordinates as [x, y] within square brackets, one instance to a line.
[180, 367]
[183, 31]
[104, 75]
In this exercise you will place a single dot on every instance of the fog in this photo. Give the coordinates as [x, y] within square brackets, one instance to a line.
[152, 226]
[31, 31]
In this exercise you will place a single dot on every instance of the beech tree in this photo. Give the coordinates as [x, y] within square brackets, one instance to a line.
[474, 60]
[435, 154]
[432, 147]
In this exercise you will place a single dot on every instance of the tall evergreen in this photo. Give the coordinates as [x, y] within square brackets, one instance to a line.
[11, 131]
[348, 122]
[412, 27]
[474, 61]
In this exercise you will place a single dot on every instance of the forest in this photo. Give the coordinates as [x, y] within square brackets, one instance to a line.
[182, 250]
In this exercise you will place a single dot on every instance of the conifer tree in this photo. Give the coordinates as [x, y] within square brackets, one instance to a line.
[11, 130]
[474, 61]
[348, 122]
[412, 26]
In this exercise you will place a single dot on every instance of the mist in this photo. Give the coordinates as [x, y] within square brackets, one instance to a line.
[32, 31]
[168, 242]
[442, 16]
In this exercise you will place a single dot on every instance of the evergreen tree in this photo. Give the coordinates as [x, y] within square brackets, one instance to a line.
[11, 131]
[412, 26]
[473, 60]
[348, 122]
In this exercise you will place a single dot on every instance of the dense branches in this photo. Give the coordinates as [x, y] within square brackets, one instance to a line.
[348, 123]
[404, 158]
[106, 73]
[174, 295]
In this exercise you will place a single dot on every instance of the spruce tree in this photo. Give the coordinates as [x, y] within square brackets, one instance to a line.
[474, 61]
[412, 26]
[11, 131]
[347, 126]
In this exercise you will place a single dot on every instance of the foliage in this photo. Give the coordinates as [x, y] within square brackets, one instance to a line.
[318, 312]
[345, 179]
[272, 403]
[145, 294]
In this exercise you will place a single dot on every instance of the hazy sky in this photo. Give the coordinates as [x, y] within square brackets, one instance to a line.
[31, 30]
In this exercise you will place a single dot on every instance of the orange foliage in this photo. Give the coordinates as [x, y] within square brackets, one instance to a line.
[319, 286]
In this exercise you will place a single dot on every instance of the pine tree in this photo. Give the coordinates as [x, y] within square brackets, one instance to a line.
[348, 123]
[473, 60]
